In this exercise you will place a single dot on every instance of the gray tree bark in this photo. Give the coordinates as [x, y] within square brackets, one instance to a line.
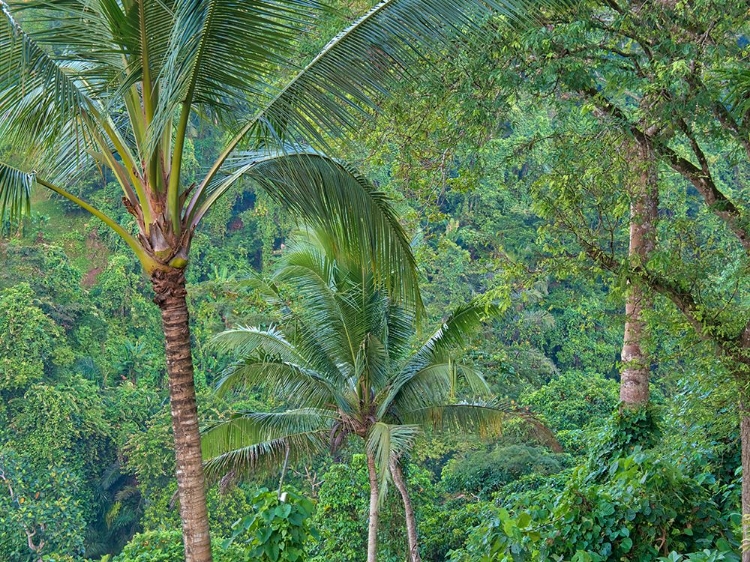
[634, 378]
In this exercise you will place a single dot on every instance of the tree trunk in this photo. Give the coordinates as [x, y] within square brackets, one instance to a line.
[169, 287]
[634, 379]
[745, 447]
[372, 531]
[411, 520]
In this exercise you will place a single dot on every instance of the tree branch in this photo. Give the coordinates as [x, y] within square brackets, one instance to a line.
[701, 180]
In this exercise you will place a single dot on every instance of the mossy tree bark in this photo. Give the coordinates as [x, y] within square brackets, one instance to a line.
[634, 378]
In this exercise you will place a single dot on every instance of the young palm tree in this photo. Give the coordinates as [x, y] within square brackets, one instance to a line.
[115, 84]
[341, 358]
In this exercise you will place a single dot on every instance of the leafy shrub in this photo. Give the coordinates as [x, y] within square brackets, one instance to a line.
[624, 504]
[483, 472]
[276, 530]
[166, 546]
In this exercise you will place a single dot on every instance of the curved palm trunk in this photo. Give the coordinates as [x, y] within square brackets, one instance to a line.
[411, 520]
[169, 287]
[372, 530]
[634, 379]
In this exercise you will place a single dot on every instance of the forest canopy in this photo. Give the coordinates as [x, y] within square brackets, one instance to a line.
[442, 281]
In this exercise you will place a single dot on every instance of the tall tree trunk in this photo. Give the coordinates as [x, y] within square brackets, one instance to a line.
[372, 530]
[634, 379]
[745, 447]
[411, 520]
[169, 287]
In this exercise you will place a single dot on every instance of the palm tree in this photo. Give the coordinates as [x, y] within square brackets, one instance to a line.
[116, 84]
[341, 358]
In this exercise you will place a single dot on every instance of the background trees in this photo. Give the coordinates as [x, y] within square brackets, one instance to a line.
[510, 179]
[340, 359]
[116, 85]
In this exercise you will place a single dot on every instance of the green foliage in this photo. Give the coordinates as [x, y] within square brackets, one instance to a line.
[644, 506]
[445, 526]
[481, 473]
[341, 508]
[705, 555]
[278, 530]
[61, 423]
[40, 504]
[627, 429]
[574, 405]
[166, 546]
[626, 502]
[28, 337]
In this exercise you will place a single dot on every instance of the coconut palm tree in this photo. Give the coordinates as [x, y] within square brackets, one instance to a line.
[340, 356]
[116, 85]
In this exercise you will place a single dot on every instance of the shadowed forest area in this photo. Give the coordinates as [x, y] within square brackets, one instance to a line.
[447, 281]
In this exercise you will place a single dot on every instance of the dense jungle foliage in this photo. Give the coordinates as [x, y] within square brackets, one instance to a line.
[513, 161]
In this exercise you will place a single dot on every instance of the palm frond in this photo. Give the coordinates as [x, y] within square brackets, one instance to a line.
[434, 384]
[301, 386]
[331, 196]
[244, 341]
[259, 441]
[380, 51]
[484, 418]
[454, 332]
[388, 442]
[43, 102]
[221, 53]
[15, 193]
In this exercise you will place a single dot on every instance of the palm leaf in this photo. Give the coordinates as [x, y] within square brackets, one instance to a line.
[43, 102]
[373, 56]
[221, 54]
[259, 441]
[388, 442]
[434, 384]
[484, 418]
[244, 341]
[303, 386]
[452, 335]
[15, 192]
[331, 196]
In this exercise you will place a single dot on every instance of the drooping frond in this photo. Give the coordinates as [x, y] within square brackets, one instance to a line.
[388, 442]
[483, 418]
[258, 440]
[301, 386]
[453, 334]
[45, 111]
[15, 192]
[331, 196]
[433, 384]
[378, 52]
[245, 340]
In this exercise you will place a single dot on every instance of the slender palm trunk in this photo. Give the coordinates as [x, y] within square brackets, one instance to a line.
[634, 379]
[169, 287]
[372, 530]
[411, 520]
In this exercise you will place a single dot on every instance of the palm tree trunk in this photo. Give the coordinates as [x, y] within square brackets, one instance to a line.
[411, 520]
[169, 287]
[634, 379]
[372, 531]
